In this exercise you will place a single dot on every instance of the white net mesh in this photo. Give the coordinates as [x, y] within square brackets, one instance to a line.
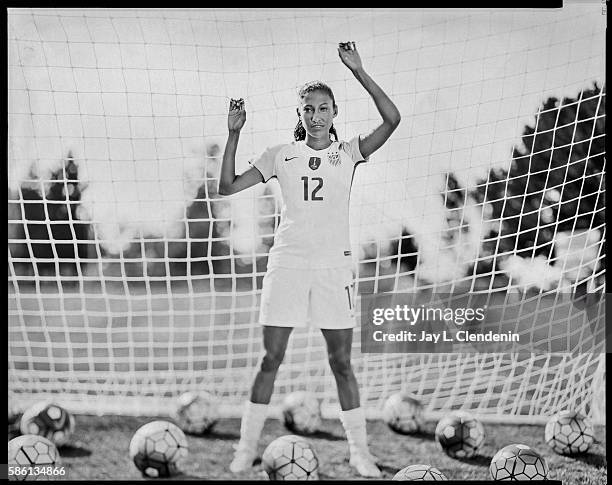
[131, 280]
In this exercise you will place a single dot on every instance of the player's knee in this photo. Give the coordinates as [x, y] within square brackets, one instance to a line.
[271, 361]
[340, 365]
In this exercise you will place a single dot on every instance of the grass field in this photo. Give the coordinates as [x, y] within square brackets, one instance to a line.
[99, 451]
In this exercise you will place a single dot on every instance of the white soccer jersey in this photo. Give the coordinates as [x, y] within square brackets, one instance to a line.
[315, 186]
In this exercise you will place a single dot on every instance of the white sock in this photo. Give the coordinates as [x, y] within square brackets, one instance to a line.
[251, 425]
[354, 423]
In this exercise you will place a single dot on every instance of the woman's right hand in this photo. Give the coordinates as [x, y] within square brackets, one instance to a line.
[237, 115]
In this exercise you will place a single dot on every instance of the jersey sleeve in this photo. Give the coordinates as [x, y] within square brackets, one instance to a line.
[266, 162]
[354, 152]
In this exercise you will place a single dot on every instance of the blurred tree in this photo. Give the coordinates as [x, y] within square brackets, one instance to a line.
[205, 219]
[40, 233]
[196, 247]
[202, 245]
[201, 227]
[555, 181]
[407, 252]
[379, 261]
[454, 197]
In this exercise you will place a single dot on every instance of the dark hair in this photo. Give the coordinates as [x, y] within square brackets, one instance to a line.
[299, 133]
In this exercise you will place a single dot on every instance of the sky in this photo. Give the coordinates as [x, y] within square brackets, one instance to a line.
[136, 95]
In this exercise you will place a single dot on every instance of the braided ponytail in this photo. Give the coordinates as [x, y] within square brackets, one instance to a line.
[299, 133]
[332, 131]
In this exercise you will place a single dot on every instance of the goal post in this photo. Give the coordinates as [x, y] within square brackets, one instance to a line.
[131, 280]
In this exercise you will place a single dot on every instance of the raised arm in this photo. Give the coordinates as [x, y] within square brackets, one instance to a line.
[229, 182]
[372, 141]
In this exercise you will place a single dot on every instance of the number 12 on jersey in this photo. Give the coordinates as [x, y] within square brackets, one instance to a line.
[308, 195]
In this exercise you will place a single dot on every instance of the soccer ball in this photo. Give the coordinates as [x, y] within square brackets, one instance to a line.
[518, 462]
[569, 432]
[196, 413]
[290, 457]
[460, 435]
[48, 419]
[403, 413]
[31, 450]
[302, 413]
[420, 473]
[157, 449]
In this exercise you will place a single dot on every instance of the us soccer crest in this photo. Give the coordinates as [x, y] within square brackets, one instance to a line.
[334, 158]
[314, 163]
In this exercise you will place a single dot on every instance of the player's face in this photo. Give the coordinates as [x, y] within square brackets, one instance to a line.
[317, 112]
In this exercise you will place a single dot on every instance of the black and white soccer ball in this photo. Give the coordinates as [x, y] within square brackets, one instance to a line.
[196, 413]
[301, 412]
[569, 433]
[158, 449]
[460, 435]
[518, 462]
[290, 457]
[403, 413]
[30, 452]
[420, 473]
[48, 419]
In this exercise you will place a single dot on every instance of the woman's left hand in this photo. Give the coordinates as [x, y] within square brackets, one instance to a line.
[349, 55]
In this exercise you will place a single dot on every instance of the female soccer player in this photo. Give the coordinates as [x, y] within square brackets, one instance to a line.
[309, 265]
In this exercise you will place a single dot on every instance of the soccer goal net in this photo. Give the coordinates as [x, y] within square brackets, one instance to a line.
[131, 280]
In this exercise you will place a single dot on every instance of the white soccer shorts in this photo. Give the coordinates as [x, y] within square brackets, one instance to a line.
[293, 297]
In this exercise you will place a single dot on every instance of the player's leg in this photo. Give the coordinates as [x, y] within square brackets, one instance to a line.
[275, 343]
[339, 343]
[284, 304]
[333, 311]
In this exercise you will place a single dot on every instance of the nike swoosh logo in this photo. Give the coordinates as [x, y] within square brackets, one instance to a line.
[287, 159]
